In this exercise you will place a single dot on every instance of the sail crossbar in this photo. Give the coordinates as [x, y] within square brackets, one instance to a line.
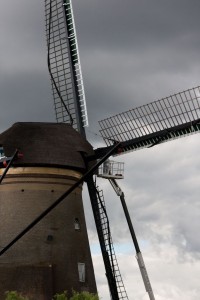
[154, 123]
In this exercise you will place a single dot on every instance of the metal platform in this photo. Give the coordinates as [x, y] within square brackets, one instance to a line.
[111, 169]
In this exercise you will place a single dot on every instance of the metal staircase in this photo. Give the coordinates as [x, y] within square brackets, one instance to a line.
[109, 244]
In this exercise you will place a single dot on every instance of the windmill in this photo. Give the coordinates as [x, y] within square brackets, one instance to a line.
[146, 126]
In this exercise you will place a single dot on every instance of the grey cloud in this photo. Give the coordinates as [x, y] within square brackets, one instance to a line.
[132, 52]
[25, 98]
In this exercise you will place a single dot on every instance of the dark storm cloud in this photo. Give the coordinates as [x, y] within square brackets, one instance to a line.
[24, 81]
[130, 49]
[132, 52]
[120, 24]
[25, 99]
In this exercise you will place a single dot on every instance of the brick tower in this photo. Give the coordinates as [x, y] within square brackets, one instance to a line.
[55, 255]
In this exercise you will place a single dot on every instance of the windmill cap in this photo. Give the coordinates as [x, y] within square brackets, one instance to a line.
[46, 144]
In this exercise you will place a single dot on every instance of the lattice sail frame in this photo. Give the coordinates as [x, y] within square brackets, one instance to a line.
[65, 63]
[157, 122]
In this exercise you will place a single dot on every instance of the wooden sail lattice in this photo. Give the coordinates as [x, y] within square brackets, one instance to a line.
[157, 122]
[64, 63]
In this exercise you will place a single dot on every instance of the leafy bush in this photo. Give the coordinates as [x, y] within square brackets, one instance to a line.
[62, 296]
[84, 296]
[13, 295]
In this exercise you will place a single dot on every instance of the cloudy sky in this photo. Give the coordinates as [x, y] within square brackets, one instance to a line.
[132, 52]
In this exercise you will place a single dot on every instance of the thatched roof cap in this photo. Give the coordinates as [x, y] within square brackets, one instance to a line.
[46, 144]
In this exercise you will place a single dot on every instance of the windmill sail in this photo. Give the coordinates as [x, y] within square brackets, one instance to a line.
[64, 64]
[154, 123]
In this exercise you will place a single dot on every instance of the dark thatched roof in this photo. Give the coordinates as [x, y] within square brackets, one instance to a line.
[46, 144]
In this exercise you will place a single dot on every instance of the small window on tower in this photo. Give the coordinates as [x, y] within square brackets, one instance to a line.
[81, 272]
[2, 151]
[77, 224]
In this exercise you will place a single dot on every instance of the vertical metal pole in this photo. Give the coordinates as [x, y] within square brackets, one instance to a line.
[130, 225]
[139, 257]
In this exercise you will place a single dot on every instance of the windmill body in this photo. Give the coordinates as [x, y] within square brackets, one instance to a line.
[55, 254]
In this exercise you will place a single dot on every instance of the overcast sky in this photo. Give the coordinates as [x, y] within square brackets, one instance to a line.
[132, 52]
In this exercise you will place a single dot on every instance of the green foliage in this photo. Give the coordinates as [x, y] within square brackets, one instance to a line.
[84, 296]
[76, 296]
[62, 296]
[13, 295]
